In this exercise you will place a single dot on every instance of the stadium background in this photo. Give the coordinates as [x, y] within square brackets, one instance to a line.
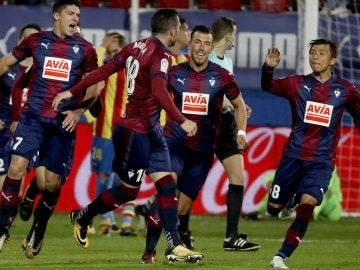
[269, 124]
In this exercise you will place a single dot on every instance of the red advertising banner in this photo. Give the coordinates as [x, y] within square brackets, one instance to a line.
[260, 160]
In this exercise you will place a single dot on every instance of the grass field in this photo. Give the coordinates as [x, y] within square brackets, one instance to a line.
[327, 246]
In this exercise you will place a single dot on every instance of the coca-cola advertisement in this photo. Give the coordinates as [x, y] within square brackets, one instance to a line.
[260, 160]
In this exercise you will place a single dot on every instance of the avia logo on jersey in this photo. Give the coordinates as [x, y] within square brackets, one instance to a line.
[194, 103]
[318, 113]
[57, 69]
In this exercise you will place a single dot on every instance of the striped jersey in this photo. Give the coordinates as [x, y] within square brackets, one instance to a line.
[317, 109]
[58, 63]
[199, 96]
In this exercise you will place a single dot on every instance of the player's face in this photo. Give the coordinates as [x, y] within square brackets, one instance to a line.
[200, 47]
[184, 35]
[320, 59]
[66, 21]
[174, 32]
[230, 40]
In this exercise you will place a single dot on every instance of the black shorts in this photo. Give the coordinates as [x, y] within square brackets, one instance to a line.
[226, 145]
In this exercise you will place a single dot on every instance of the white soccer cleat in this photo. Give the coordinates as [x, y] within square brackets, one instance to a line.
[278, 262]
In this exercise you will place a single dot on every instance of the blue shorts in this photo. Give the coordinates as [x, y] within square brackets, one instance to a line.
[37, 161]
[296, 176]
[137, 152]
[191, 167]
[34, 133]
[102, 155]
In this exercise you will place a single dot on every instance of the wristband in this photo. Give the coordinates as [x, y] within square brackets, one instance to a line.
[241, 133]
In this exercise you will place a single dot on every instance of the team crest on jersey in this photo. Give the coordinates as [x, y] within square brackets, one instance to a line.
[164, 65]
[195, 103]
[318, 113]
[212, 81]
[337, 92]
[76, 49]
[57, 69]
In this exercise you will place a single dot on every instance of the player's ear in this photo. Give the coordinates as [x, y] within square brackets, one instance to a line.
[56, 16]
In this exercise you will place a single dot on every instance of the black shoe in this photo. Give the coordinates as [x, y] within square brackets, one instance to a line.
[127, 231]
[26, 208]
[239, 244]
[187, 240]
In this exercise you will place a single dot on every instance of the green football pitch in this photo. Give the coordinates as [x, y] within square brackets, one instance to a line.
[327, 246]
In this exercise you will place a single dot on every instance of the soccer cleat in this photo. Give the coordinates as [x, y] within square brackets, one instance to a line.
[26, 208]
[114, 229]
[33, 246]
[278, 262]
[127, 231]
[79, 232]
[287, 212]
[289, 209]
[105, 227]
[182, 254]
[239, 244]
[148, 257]
[187, 240]
[91, 229]
[3, 237]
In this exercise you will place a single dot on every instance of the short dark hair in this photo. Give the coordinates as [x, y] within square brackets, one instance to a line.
[200, 28]
[29, 26]
[324, 41]
[163, 19]
[60, 4]
[221, 27]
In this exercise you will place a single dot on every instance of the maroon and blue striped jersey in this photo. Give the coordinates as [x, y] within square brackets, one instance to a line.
[199, 96]
[144, 59]
[317, 109]
[58, 64]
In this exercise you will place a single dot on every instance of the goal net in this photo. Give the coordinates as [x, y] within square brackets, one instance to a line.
[340, 22]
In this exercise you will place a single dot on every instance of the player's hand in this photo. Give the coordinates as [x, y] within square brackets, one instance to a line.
[242, 143]
[71, 120]
[13, 127]
[190, 127]
[272, 57]
[60, 97]
[2, 124]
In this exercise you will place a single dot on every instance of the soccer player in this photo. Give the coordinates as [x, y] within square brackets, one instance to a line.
[198, 87]
[138, 140]
[60, 59]
[224, 31]
[317, 102]
[6, 82]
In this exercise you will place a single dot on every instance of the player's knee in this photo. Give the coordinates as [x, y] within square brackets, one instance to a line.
[274, 211]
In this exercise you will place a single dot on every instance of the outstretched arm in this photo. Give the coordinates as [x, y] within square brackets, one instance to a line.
[92, 78]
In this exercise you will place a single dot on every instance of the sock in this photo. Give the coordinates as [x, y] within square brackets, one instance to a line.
[168, 209]
[297, 230]
[44, 209]
[128, 212]
[9, 201]
[32, 189]
[184, 223]
[234, 200]
[100, 185]
[108, 200]
[154, 227]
